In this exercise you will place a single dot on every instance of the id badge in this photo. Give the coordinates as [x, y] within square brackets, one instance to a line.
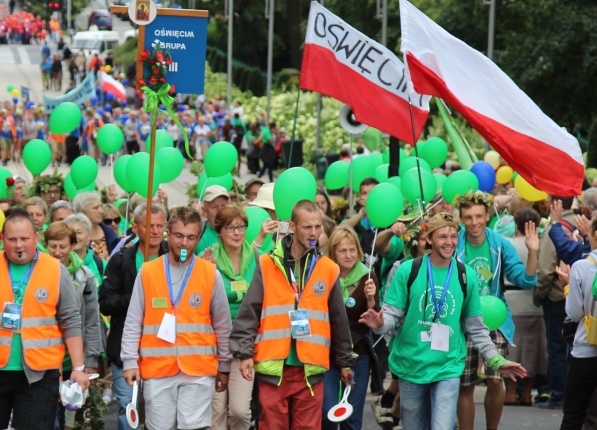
[167, 329]
[11, 316]
[440, 337]
[299, 324]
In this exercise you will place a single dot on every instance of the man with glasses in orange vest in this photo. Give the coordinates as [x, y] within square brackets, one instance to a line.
[40, 314]
[176, 331]
[285, 326]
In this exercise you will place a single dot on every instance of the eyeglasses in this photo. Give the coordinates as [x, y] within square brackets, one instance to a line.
[109, 221]
[180, 236]
[231, 228]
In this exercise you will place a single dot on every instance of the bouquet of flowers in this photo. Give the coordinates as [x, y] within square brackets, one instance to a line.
[155, 67]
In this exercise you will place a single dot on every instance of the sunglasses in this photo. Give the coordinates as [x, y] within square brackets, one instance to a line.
[109, 221]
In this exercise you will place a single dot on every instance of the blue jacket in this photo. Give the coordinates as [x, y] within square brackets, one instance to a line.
[568, 250]
[505, 261]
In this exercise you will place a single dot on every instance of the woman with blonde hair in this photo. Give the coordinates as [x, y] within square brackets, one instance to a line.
[360, 292]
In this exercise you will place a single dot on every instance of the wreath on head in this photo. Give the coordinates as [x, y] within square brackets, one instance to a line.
[473, 197]
[411, 237]
[42, 184]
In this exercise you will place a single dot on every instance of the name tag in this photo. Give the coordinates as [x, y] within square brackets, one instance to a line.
[299, 324]
[238, 286]
[11, 316]
[440, 337]
[159, 303]
[425, 336]
[167, 329]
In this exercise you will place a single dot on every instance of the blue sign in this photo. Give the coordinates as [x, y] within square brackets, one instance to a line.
[186, 39]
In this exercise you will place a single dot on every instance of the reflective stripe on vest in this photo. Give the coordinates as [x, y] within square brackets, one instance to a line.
[274, 334]
[195, 352]
[41, 337]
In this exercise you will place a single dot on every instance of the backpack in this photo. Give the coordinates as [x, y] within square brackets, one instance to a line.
[414, 272]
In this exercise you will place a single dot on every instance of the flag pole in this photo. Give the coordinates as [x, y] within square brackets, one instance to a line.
[298, 95]
[150, 183]
[412, 123]
[350, 173]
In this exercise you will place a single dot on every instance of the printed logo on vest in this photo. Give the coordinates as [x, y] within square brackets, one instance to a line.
[41, 294]
[195, 300]
[319, 288]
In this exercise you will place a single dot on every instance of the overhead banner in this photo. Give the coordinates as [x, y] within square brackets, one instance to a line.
[79, 95]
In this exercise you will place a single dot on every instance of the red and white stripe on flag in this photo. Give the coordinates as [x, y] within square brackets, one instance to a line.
[112, 86]
[343, 63]
[532, 143]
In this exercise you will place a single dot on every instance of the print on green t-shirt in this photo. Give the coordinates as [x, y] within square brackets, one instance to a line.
[478, 257]
[411, 357]
[140, 259]
[208, 238]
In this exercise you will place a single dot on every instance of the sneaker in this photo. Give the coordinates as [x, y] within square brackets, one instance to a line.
[550, 405]
[383, 416]
[107, 396]
[542, 398]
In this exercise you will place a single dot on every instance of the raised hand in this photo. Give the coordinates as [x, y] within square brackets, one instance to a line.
[532, 236]
[372, 319]
[556, 211]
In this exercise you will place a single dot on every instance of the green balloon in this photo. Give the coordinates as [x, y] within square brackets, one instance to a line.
[435, 152]
[256, 217]
[205, 181]
[69, 187]
[110, 138]
[171, 163]
[459, 182]
[372, 139]
[494, 312]
[163, 139]
[395, 181]
[83, 171]
[10, 87]
[287, 193]
[65, 118]
[120, 173]
[381, 173]
[220, 159]
[377, 158]
[384, 205]
[411, 163]
[137, 173]
[440, 178]
[37, 155]
[514, 176]
[119, 202]
[336, 175]
[4, 175]
[362, 167]
[411, 187]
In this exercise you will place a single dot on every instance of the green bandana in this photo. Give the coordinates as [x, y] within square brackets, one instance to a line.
[225, 265]
[357, 272]
[75, 262]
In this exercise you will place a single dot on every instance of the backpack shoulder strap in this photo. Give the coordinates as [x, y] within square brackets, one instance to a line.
[414, 272]
[100, 265]
[462, 277]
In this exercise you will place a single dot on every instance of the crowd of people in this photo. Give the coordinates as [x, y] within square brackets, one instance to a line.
[24, 28]
[231, 334]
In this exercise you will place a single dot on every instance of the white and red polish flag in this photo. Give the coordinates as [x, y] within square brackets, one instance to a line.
[112, 86]
[343, 63]
[439, 64]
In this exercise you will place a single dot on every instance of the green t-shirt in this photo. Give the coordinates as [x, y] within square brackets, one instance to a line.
[478, 257]
[17, 273]
[140, 259]
[388, 260]
[235, 298]
[267, 135]
[208, 238]
[412, 359]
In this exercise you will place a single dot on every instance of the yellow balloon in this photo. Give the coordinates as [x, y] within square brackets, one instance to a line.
[108, 68]
[504, 175]
[15, 92]
[527, 191]
[493, 158]
[2, 218]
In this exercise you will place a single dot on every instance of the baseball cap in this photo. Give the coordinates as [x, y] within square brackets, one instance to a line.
[254, 180]
[265, 197]
[440, 220]
[213, 192]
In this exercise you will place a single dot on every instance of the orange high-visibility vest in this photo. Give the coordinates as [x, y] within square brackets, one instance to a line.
[195, 351]
[43, 346]
[274, 334]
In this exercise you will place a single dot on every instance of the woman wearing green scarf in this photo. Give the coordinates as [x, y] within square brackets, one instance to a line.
[60, 240]
[360, 291]
[236, 260]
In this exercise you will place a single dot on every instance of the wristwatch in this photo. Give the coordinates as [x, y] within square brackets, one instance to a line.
[79, 368]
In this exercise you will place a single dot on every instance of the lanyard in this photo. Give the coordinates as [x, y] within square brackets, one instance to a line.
[184, 281]
[293, 284]
[438, 306]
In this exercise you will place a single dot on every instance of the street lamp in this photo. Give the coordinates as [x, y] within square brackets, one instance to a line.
[230, 13]
[269, 14]
[383, 15]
